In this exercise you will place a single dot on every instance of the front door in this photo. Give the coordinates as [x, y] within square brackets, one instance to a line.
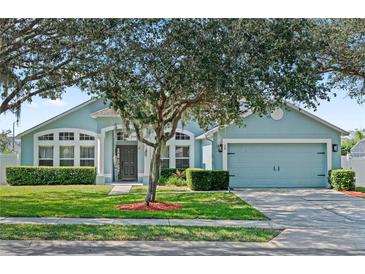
[128, 162]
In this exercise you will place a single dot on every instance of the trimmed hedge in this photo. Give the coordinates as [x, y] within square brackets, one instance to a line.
[342, 179]
[205, 180]
[34, 175]
[168, 172]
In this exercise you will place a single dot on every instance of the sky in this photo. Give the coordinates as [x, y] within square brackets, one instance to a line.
[341, 111]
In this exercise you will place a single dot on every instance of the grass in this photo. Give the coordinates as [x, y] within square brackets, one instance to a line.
[93, 201]
[360, 189]
[143, 189]
[134, 233]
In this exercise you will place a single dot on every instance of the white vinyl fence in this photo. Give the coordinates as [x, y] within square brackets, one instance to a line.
[358, 165]
[7, 160]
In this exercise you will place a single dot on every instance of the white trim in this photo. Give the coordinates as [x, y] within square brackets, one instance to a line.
[56, 143]
[328, 142]
[173, 143]
[56, 118]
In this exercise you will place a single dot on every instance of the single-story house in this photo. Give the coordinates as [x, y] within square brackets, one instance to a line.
[289, 148]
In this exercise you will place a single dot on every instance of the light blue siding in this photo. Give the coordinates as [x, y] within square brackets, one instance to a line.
[293, 125]
[277, 165]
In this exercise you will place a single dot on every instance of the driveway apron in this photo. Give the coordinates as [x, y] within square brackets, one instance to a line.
[314, 218]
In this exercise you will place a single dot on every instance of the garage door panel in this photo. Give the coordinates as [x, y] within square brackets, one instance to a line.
[296, 165]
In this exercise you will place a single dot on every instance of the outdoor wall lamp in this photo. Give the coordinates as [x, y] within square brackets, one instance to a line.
[334, 147]
[220, 148]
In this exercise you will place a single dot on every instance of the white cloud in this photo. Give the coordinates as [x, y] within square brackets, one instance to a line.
[56, 103]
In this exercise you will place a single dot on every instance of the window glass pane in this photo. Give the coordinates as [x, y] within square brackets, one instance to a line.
[66, 136]
[165, 163]
[66, 162]
[87, 152]
[182, 151]
[182, 163]
[181, 136]
[86, 162]
[85, 137]
[46, 137]
[46, 162]
[66, 151]
[45, 152]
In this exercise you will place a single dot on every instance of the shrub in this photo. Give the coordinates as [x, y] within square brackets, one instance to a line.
[168, 172]
[204, 180]
[34, 175]
[162, 180]
[175, 181]
[342, 179]
[188, 173]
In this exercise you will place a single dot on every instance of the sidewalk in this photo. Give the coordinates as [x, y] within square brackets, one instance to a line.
[119, 221]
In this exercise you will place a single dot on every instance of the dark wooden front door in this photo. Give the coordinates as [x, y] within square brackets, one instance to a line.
[128, 162]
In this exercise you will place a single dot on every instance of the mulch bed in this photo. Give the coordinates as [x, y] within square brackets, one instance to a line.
[354, 193]
[151, 207]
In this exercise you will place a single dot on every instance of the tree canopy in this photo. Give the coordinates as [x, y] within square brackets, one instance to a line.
[161, 71]
[342, 54]
[41, 57]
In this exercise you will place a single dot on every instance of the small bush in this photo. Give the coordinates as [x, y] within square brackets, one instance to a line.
[168, 172]
[34, 175]
[342, 179]
[162, 180]
[188, 173]
[205, 180]
[175, 181]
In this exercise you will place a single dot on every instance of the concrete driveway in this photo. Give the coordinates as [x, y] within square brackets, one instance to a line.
[313, 218]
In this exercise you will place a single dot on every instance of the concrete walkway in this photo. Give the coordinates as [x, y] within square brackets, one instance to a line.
[159, 248]
[119, 221]
[120, 189]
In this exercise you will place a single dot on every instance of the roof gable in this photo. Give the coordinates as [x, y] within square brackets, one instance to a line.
[57, 117]
[210, 132]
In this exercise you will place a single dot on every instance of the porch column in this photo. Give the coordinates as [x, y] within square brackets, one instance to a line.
[100, 154]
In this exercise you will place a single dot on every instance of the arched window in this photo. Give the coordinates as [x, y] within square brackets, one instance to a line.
[181, 136]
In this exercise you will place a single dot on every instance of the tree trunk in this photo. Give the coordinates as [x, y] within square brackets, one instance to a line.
[154, 174]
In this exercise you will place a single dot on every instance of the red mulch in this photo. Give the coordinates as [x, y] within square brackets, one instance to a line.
[354, 193]
[152, 206]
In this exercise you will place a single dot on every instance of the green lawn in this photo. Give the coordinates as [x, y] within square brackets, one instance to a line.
[143, 189]
[134, 233]
[360, 189]
[93, 201]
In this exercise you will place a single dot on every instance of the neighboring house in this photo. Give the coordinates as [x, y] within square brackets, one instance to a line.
[358, 150]
[290, 148]
[16, 147]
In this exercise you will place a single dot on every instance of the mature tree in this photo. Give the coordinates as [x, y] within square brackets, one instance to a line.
[40, 57]
[159, 72]
[4, 140]
[342, 54]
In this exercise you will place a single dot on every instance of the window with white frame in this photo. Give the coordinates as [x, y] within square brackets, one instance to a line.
[67, 154]
[86, 137]
[45, 155]
[165, 157]
[182, 156]
[87, 155]
[46, 137]
[181, 136]
[66, 136]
